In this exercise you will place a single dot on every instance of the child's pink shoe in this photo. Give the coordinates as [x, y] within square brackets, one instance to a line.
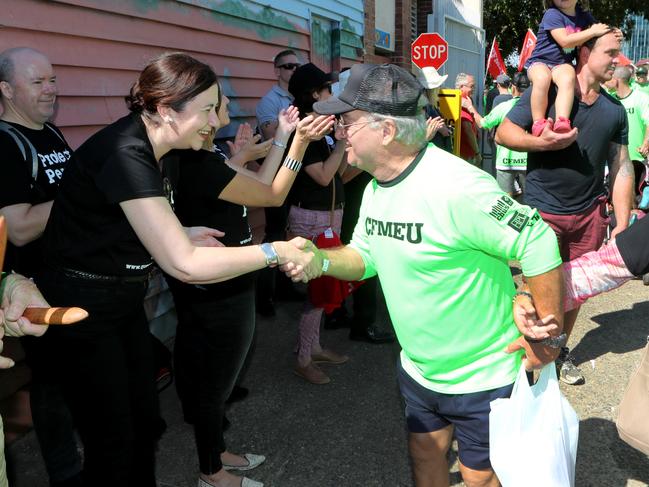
[562, 125]
[539, 125]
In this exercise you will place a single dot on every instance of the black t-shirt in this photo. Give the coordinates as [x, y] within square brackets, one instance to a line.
[438, 139]
[87, 229]
[17, 185]
[491, 96]
[306, 191]
[632, 244]
[568, 181]
[198, 180]
[501, 98]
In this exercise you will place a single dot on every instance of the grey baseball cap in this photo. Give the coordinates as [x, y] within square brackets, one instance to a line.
[503, 79]
[378, 88]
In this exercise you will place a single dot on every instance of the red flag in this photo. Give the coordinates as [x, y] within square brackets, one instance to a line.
[526, 51]
[495, 63]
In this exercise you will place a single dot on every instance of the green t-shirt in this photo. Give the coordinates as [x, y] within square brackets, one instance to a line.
[440, 236]
[636, 105]
[644, 88]
[506, 159]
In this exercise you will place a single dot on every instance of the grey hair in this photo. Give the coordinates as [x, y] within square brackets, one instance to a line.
[623, 73]
[411, 131]
[461, 79]
[7, 67]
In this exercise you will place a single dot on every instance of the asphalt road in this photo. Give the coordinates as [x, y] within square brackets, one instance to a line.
[351, 431]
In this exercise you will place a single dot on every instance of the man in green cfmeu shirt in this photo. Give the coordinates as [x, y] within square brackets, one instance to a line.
[439, 233]
[510, 164]
[636, 104]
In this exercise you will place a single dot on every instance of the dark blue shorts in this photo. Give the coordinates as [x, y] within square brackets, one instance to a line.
[428, 411]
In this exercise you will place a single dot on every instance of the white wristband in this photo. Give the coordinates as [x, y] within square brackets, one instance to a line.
[279, 144]
[293, 164]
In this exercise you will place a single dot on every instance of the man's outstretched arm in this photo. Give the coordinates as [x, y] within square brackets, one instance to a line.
[342, 263]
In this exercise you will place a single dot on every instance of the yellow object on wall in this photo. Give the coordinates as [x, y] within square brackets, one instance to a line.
[450, 106]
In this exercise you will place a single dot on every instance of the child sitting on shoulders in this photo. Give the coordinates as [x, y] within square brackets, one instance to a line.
[565, 26]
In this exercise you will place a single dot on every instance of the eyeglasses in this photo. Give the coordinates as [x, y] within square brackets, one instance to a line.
[342, 127]
[289, 66]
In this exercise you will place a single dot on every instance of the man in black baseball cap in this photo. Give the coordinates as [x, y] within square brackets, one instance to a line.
[376, 93]
[439, 233]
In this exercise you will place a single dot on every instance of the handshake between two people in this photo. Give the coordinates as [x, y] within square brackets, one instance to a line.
[300, 259]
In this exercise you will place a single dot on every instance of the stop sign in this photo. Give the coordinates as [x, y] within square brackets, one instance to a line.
[429, 49]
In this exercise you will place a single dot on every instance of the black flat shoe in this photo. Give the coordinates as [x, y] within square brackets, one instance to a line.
[371, 335]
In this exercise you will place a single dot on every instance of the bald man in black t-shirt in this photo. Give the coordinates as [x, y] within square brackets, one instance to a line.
[34, 157]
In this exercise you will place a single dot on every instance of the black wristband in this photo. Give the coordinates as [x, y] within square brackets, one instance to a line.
[522, 293]
[2, 283]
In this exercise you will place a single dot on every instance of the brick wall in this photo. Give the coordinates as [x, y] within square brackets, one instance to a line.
[403, 37]
[424, 8]
[368, 39]
[402, 34]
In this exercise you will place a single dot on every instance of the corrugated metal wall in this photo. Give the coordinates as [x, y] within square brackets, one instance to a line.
[98, 46]
[637, 47]
[460, 23]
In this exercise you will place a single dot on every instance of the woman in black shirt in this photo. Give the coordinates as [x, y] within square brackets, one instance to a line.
[111, 218]
[216, 322]
[316, 199]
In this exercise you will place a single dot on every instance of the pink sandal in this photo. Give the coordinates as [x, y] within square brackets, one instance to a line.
[562, 125]
[539, 126]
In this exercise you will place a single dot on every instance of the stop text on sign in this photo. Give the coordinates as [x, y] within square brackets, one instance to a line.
[426, 53]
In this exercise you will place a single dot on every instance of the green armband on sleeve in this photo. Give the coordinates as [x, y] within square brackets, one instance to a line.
[2, 283]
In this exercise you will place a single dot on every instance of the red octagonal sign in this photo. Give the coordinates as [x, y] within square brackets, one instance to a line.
[429, 49]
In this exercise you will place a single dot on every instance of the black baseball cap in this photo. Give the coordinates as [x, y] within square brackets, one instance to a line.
[521, 81]
[378, 88]
[308, 77]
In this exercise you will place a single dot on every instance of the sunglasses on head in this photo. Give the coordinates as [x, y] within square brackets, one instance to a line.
[289, 66]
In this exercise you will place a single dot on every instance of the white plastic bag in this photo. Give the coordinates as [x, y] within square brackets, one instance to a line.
[533, 434]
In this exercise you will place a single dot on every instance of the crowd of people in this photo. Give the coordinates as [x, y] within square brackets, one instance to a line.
[152, 189]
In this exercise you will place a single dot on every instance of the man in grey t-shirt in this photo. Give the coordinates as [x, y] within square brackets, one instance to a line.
[278, 98]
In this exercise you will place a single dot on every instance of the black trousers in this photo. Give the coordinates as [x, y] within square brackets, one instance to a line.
[104, 366]
[269, 278]
[212, 339]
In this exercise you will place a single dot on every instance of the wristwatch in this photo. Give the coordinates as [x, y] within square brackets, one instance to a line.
[272, 259]
[552, 342]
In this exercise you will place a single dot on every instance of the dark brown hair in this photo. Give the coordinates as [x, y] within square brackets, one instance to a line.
[170, 80]
[581, 3]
